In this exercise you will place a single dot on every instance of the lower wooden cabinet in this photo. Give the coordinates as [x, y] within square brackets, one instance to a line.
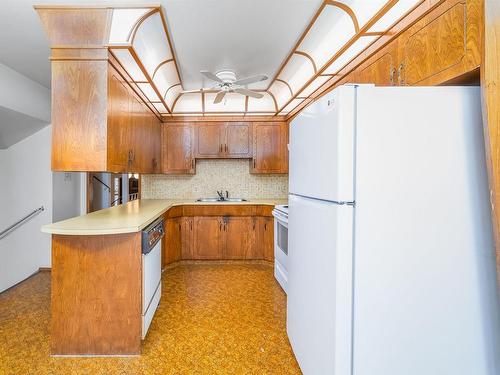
[212, 236]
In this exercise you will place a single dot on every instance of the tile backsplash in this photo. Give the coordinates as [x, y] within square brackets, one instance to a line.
[213, 175]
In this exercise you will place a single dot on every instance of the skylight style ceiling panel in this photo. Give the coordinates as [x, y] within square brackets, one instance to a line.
[160, 108]
[151, 44]
[189, 103]
[165, 76]
[364, 9]
[265, 104]
[297, 72]
[129, 64]
[281, 93]
[314, 85]
[172, 94]
[232, 102]
[357, 47]
[394, 14]
[294, 103]
[149, 92]
[332, 29]
[122, 22]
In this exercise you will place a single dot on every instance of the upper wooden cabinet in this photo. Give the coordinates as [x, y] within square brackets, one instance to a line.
[223, 140]
[177, 149]
[270, 148]
[99, 124]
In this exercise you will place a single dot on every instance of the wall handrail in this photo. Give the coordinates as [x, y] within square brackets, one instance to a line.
[20, 222]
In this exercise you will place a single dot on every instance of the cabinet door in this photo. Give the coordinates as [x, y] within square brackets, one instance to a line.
[119, 142]
[207, 242]
[237, 233]
[187, 237]
[238, 140]
[269, 148]
[256, 248]
[209, 138]
[265, 237]
[171, 241]
[138, 130]
[177, 155]
[155, 137]
[381, 70]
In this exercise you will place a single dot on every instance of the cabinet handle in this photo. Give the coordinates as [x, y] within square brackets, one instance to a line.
[192, 163]
[265, 226]
[220, 226]
[392, 73]
[225, 147]
[254, 163]
[220, 148]
[400, 74]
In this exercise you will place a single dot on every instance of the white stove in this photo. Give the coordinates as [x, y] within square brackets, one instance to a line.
[280, 214]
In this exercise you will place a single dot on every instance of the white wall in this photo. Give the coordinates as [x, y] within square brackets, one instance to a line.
[65, 195]
[26, 184]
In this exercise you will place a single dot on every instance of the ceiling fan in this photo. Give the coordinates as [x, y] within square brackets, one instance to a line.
[226, 82]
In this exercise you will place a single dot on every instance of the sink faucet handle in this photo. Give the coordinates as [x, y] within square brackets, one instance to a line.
[220, 194]
[227, 194]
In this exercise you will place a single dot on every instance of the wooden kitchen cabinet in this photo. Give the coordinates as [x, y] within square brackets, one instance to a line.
[207, 242]
[177, 149]
[270, 151]
[187, 237]
[382, 69]
[228, 140]
[237, 237]
[101, 125]
[264, 234]
[172, 242]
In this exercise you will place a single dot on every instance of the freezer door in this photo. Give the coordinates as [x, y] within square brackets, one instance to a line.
[322, 148]
[319, 285]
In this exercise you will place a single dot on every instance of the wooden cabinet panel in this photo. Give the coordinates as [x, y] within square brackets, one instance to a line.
[177, 154]
[209, 140]
[270, 148]
[237, 237]
[238, 140]
[119, 137]
[256, 250]
[207, 237]
[436, 46]
[171, 244]
[266, 232]
[382, 71]
[187, 238]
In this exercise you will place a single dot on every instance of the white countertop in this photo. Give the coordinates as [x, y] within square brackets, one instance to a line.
[131, 217]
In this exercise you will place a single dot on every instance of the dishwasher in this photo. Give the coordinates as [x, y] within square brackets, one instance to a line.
[151, 272]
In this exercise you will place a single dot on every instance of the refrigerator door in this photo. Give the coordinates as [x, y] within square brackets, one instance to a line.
[322, 148]
[319, 285]
[425, 295]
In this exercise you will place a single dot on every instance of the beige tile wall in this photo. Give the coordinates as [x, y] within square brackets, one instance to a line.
[213, 175]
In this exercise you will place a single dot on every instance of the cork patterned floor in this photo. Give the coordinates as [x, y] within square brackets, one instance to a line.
[212, 319]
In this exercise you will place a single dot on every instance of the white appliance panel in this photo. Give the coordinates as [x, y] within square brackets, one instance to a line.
[425, 297]
[151, 274]
[148, 315]
[322, 148]
[319, 285]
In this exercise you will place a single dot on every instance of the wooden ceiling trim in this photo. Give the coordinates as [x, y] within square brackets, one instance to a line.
[380, 13]
[296, 46]
[305, 54]
[146, 74]
[348, 10]
[172, 49]
[405, 21]
[287, 85]
[275, 102]
[160, 65]
[171, 87]
[135, 28]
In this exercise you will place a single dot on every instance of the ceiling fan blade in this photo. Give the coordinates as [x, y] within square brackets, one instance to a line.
[211, 76]
[196, 91]
[246, 81]
[251, 93]
[219, 97]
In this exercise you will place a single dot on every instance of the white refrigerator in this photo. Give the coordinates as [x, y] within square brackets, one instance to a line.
[391, 255]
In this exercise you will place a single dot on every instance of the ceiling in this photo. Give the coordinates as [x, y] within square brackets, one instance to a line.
[251, 37]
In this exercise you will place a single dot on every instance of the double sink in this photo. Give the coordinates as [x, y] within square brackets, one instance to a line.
[223, 199]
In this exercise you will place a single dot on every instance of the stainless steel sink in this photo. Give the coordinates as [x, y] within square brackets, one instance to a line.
[221, 200]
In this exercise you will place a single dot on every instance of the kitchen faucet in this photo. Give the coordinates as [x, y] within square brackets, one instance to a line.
[221, 195]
